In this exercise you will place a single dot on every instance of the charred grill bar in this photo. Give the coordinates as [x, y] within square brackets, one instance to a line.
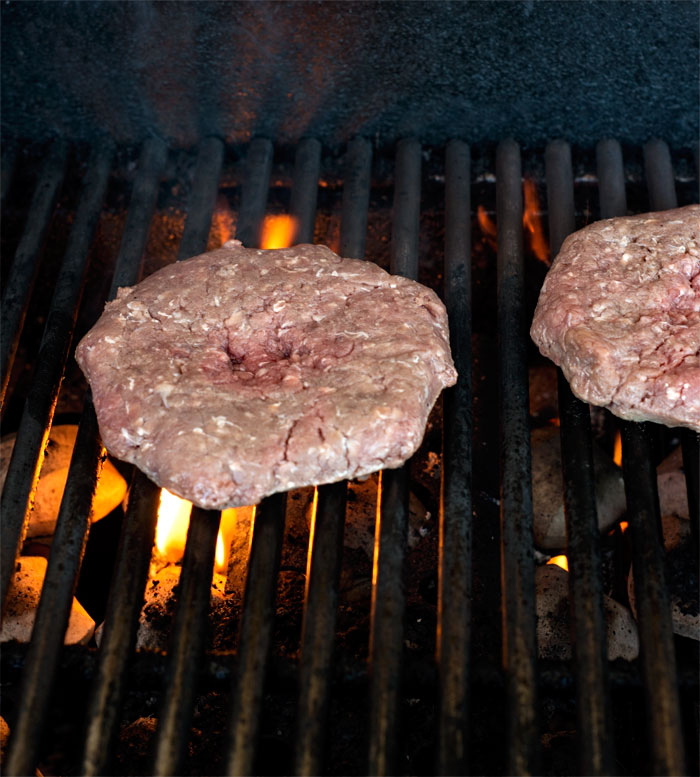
[583, 536]
[457, 629]
[326, 533]
[392, 512]
[453, 637]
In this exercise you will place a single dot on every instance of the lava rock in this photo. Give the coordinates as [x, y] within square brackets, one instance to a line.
[548, 489]
[681, 577]
[553, 619]
[673, 494]
[111, 488]
[23, 599]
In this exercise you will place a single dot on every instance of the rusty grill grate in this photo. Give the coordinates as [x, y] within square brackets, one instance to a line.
[589, 681]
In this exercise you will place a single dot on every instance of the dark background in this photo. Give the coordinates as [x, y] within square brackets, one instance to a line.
[530, 69]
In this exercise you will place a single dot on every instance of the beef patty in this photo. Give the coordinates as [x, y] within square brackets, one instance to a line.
[619, 312]
[243, 372]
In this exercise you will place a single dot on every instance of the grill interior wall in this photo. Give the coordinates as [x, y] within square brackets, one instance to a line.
[395, 210]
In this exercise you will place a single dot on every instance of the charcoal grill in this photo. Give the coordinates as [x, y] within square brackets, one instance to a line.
[588, 679]
[479, 709]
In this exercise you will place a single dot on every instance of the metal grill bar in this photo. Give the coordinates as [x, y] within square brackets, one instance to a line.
[25, 265]
[187, 639]
[611, 177]
[325, 552]
[307, 165]
[35, 424]
[406, 218]
[583, 536]
[318, 628]
[662, 193]
[659, 174]
[255, 632]
[129, 581]
[268, 526]
[256, 184]
[129, 264]
[205, 187]
[386, 626]
[356, 185]
[611, 174]
[657, 653]
[121, 623]
[517, 565]
[653, 605]
[455, 548]
[72, 528]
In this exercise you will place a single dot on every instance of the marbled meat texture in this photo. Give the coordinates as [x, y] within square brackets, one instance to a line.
[619, 312]
[244, 372]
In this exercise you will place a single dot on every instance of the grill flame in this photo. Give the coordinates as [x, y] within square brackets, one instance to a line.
[560, 561]
[487, 226]
[278, 231]
[223, 224]
[532, 221]
[173, 523]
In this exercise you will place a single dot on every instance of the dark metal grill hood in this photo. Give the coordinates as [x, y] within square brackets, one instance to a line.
[483, 70]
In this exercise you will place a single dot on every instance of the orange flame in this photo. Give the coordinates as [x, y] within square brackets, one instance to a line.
[278, 231]
[220, 557]
[617, 455]
[377, 524]
[173, 523]
[312, 532]
[560, 561]
[487, 226]
[533, 223]
[222, 224]
[624, 525]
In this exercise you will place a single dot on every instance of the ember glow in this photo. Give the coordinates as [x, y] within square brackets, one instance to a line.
[532, 221]
[223, 224]
[278, 231]
[560, 561]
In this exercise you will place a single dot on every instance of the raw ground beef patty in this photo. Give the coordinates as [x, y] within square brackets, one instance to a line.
[619, 312]
[244, 372]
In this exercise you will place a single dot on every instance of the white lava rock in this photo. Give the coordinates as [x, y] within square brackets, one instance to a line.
[361, 516]
[111, 488]
[673, 493]
[554, 621]
[681, 577]
[23, 599]
[547, 489]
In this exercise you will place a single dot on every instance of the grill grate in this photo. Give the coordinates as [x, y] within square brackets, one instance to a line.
[589, 680]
